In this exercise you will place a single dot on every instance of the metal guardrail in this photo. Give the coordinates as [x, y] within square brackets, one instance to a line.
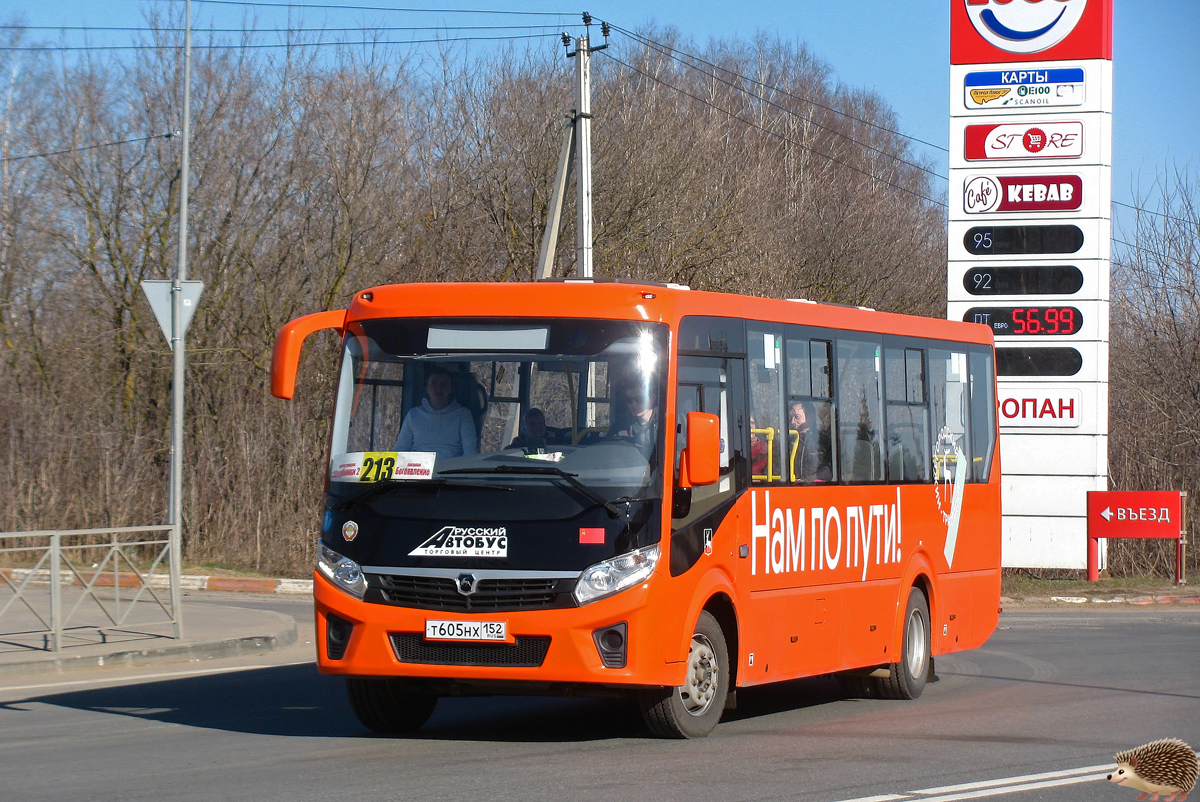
[57, 557]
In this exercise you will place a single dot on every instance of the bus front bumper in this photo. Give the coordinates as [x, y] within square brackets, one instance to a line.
[543, 647]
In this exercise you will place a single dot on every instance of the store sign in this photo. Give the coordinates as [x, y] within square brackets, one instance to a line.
[983, 194]
[1040, 407]
[1063, 140]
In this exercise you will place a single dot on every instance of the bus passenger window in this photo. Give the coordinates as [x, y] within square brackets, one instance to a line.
[983, 414]
[810, 419]
[769, 441]
[948, 402]
[860, 424]
[907, 415]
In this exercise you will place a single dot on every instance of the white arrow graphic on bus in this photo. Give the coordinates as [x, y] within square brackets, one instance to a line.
[960, 481]
[1107, 514]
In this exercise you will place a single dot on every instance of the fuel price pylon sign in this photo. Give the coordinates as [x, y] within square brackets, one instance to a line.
[1029, 250]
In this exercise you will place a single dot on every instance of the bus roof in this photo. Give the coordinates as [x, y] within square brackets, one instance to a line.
[637, 300]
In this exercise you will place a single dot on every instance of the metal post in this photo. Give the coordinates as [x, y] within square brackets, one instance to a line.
[550, 237]
[177, 338]
[1181, 549]
[55, 592]
[116, 575]
[583, 155]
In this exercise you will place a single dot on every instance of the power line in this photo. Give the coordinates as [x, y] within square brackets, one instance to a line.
[167, 135]
[1131, 246]
[810, 120]
[146, 29]
[263, 3]
[774, 133]
[1156, 214]
[667, 49]
[242, 46]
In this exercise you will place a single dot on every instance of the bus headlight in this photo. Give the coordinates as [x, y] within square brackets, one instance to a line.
[341, 571]
[616, 574]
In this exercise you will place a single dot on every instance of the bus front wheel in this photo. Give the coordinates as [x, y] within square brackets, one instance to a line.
[908, 676]
[693, 709]
[387, 705]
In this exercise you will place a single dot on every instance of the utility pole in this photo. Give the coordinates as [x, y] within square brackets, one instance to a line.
[577, 143]
[583, 157]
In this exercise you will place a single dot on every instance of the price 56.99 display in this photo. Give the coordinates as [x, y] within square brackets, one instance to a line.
[1027, 320]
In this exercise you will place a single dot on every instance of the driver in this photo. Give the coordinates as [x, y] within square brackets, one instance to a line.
[639, 417]
[536, 436]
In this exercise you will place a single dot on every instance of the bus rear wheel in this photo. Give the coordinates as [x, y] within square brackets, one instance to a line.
[388, 705]
[908, 676]
[693, 709]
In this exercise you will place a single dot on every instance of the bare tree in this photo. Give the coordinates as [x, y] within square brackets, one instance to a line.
[1154, 409]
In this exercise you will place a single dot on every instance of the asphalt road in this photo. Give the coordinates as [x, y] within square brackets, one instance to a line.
[1034, 715]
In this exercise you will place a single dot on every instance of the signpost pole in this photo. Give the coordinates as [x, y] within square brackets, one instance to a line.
[177, 339]
[1180, 565]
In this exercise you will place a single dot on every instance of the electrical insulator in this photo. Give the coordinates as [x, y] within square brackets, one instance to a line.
[587, 18]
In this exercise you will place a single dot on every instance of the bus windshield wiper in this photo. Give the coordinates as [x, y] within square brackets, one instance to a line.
[385, 485]
[548, 470]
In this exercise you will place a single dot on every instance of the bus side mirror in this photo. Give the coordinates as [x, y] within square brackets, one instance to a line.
[701, 463]
[286, 358]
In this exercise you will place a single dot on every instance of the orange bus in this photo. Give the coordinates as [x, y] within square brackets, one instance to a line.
[621, 488]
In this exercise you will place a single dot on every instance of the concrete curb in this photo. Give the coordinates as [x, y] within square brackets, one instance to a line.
[250, 584]
[282, 635]
[1139, 600]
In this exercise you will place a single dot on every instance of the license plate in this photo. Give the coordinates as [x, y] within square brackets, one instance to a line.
[466, 630]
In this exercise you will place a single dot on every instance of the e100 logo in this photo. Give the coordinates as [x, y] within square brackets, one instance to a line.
[1025, 26]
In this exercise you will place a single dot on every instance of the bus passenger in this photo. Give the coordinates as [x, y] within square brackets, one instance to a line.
[811, 462]
[758, 451]
[440, 424]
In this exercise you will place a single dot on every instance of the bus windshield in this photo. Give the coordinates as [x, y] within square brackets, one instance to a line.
[439, 419]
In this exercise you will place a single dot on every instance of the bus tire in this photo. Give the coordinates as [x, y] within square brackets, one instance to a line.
[693, 709]
[387, 705]
[908, 676]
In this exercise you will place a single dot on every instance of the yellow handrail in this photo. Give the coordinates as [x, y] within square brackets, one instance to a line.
[795, 445]
[770, 476]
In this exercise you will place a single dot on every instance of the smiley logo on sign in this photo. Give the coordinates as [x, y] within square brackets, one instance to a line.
[1025, 26]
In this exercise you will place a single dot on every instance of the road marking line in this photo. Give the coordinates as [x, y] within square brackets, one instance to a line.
[1004, 785]
[1014, 789]
[949, 789]
[165, 675]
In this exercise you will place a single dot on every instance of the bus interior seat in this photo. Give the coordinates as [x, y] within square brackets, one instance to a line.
[470, 393]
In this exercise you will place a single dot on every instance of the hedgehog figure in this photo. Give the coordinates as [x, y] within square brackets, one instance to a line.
[1166, 767]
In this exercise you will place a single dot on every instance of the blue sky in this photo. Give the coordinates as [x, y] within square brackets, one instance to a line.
[899, 49]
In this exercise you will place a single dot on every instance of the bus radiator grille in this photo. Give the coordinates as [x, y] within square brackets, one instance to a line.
[491, 595]
[527, 652]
